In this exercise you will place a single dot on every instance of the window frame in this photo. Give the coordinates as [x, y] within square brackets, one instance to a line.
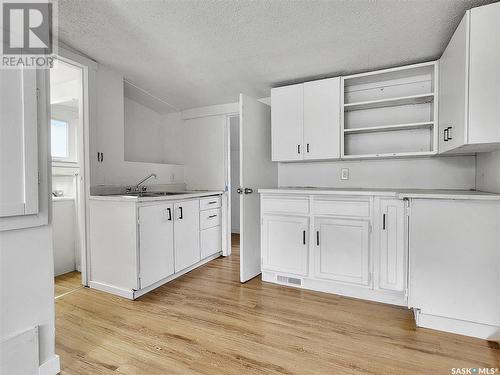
[69, 158]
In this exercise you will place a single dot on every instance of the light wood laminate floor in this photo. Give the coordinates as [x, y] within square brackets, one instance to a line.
[67, 282]
[206, 322]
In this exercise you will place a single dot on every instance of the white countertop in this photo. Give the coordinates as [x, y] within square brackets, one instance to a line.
[173, 197]
[396, 193]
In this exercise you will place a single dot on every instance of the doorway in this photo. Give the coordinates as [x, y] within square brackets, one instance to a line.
[68, 198]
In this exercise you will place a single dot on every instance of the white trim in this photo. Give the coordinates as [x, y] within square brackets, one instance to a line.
[459, 327]
[50, 367]
[111, 289]
[331, 287]
[87, 115]
[44, 163]
[138, 293]
[133, 294]
[67, 53]
[389, 70]
[213, 110]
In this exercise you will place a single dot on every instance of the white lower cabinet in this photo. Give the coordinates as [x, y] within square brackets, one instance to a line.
[341, 251]
[137, 246]
[156, 243]
[390, 246]
[285, 243]
[187, 239]
[346, 256]
[210, 241]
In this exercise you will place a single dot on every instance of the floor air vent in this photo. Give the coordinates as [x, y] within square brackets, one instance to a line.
[288, 280]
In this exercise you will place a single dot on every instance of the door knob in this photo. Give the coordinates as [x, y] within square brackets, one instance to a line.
[248, 191]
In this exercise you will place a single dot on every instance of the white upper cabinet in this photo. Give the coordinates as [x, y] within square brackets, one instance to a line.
[306, 121]
[469, 90]
[287, 122]
[18, 143]
[322, 119]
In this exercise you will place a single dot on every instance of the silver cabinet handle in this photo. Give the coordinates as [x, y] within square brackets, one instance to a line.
[169, 214]
[248, 191]
[212, 216]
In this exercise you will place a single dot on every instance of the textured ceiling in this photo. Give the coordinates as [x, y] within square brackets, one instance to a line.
[197, 53]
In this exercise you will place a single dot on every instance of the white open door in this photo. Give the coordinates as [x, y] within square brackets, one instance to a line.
[256, 171]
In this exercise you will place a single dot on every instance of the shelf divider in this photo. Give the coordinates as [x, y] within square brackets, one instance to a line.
[390, 102]
[373, 129]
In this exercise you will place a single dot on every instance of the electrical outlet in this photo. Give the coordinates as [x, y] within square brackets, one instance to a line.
[344, 174]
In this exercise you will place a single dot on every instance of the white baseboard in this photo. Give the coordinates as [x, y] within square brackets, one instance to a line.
[138, 293]
[112, 289]
[459, 327]
[50, 367]
[393, 298]
[133, 294]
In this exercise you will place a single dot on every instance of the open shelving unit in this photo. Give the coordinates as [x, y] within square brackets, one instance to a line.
[390, 113]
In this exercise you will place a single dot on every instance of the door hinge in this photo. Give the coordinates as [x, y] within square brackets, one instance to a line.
[39, 178]
[37, 91]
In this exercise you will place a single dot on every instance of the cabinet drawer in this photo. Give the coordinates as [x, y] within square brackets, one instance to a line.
[209, 203]
[299, 205]
[341, 207]
[210, 240]
[210, 218]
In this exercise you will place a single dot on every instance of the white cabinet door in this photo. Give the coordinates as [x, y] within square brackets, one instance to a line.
[322, 119]
[285, 242]
[287, 122]
[210, 241]
[341, 251]
[455, 259]
[156, 243]
[186, 234]
[484, 79]
[390, 254]
[18, 143]
[453, 89]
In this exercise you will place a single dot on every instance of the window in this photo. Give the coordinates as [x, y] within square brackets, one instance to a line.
[59, 139]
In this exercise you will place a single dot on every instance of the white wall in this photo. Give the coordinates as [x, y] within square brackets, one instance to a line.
[488, 172]
[64, 235]
[27, 285]
[108, 133]
[150, 136]
[456, 172]
[235, 173]
[204, 152]
[26, 263]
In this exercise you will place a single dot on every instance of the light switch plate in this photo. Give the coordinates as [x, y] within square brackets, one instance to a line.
[344, 174]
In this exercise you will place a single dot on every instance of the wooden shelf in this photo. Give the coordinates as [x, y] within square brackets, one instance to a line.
[386, 128]
[391, 102]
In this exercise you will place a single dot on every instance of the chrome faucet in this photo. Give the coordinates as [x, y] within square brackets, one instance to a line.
[143, 181]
